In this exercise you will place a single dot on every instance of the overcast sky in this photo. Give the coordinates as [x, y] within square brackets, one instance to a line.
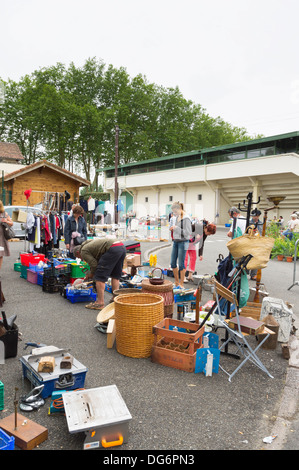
[238, 59]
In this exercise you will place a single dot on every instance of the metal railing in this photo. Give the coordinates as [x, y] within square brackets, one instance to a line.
[295, 262]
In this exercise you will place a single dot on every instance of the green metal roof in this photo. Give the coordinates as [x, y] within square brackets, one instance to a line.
[220, 148]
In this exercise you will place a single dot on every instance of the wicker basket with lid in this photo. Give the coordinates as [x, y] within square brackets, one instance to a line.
[165, 290]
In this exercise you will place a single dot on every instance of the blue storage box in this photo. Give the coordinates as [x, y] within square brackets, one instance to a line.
[40, 277]
[183, 297]
[80, 295]
[6, 442]
[59, 379]
[108, 288]
[36, 268]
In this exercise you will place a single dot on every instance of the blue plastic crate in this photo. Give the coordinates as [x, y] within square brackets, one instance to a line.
[40, 277]
[108, 288]
[80, 295]
[6, 442]
[183, 297]
[36, 268]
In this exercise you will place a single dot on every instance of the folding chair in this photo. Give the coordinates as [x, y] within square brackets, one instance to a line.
[237, 336]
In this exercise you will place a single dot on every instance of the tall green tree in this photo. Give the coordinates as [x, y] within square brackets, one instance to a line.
[68, 115]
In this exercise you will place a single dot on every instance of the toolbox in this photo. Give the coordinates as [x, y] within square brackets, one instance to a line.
[99, 412]
[60, 379]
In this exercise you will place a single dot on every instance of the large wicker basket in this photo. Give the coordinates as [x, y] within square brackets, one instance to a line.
[135, 317]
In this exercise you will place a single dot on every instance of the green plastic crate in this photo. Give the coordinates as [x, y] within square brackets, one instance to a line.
[17, 267]
[24, 271]
[77, 270]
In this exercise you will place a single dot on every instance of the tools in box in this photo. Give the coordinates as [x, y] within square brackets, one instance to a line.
[54, 368]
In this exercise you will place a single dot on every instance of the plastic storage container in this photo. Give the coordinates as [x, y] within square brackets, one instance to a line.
[6, 442]
[27, 258]
[23, 271]
[32, 276]
[35, 267]
[80, 295]
[17, 267]
[79, 270]
[40, 277]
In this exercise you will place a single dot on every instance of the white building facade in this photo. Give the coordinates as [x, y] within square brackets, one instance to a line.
[209, 181]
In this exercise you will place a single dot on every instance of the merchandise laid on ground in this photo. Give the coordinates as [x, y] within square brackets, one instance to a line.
[147, 317]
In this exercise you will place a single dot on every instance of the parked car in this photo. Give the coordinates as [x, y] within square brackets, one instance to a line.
[18, 227]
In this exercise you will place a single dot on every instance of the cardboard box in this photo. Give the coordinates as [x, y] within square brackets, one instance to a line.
[19, 216]
[133, 260]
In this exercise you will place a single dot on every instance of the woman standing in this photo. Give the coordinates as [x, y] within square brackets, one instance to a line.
[181, 232]
[200, 232]
[75, 226]
[4, 245]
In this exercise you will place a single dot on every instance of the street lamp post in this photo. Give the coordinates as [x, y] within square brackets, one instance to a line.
[115, 176]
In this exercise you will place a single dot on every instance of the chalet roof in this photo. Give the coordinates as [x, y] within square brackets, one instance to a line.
[11, 151]
[45, 163]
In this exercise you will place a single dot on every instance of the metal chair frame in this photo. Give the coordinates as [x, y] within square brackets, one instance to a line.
[237, 336]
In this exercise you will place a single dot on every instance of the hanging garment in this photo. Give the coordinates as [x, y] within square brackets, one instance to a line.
[91, 204]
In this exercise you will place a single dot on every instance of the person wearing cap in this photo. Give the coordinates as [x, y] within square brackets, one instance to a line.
[240, 223]
[105, 258]
[258, 225]
[293, 227]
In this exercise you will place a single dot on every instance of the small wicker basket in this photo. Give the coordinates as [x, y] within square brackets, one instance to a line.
[157, 281]
[135, 317]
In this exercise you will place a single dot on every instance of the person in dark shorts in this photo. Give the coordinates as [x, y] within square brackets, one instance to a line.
[105, 258]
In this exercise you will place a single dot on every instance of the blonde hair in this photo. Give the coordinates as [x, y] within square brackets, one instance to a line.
[178, 205]
[2, 207]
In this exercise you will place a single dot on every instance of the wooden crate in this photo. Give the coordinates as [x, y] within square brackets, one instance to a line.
[176, 347]
[252, 310]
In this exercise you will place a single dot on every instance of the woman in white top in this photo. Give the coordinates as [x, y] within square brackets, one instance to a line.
[181, 232]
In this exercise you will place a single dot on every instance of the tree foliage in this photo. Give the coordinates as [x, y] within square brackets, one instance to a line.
[68, 115]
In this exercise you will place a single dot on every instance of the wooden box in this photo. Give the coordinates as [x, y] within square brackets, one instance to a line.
[252, 310]
[176, 343]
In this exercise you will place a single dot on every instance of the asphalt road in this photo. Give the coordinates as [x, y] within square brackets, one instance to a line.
[171, 410]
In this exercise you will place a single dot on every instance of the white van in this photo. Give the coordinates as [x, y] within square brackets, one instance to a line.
[17, 226]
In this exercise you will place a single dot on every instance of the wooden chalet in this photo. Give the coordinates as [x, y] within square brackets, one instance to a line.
[41, 177]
